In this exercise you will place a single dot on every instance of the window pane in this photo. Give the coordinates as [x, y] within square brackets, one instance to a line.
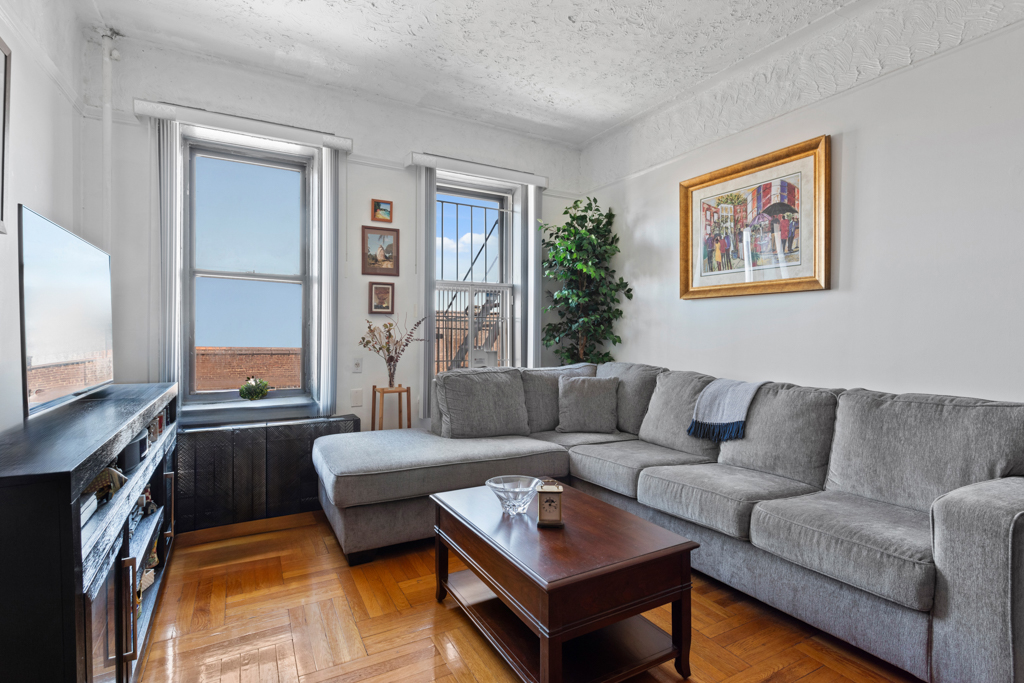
[469, 244]
[247, 328]
[248, 217]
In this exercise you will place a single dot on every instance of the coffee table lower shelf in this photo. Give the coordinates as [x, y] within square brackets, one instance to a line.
[613, 653]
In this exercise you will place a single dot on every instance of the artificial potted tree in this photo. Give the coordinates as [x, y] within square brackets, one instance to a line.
[578, 255]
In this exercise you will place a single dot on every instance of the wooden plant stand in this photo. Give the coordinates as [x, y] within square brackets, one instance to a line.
[377, 416]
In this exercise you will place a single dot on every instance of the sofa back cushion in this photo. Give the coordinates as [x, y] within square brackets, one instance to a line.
[788, 433]
[476, 403]
[636, 385]
[671, 411]
[909, 449]
[435, 410]
[540, 386]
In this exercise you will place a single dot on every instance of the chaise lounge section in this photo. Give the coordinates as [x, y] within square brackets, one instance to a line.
[890, 521]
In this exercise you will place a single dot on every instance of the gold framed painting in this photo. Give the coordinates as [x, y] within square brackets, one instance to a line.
[758, 227]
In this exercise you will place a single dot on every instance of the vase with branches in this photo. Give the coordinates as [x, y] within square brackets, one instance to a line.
[578, 255]
[389, 342]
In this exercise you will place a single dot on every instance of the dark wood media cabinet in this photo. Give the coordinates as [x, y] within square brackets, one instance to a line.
[68, 609]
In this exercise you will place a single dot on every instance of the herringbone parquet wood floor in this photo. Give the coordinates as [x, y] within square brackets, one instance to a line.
[275, 601]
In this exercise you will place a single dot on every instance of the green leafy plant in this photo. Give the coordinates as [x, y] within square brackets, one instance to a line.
[577, 255]
[254, 389]
[389, 342]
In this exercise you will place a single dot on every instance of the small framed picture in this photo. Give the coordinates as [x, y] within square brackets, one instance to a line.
[380, 251]
[382, 297]
[381, 210]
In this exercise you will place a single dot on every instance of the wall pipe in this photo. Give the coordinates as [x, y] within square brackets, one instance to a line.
[108, 135]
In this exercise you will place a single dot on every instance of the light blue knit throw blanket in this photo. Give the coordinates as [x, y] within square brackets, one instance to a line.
[721, 410]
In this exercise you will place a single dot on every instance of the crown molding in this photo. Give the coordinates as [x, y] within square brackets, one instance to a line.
[879, 39]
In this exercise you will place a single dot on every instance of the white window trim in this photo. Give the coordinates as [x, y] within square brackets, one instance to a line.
[176, 126]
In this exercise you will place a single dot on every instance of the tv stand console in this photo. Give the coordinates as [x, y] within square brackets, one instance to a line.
[70, 593]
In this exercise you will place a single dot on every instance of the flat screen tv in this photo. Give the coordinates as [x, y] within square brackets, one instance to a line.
[66, 314]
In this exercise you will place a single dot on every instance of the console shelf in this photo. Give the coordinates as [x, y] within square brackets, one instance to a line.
[69, 611]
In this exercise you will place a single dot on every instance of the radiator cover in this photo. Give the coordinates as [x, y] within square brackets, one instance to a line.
[239, 473]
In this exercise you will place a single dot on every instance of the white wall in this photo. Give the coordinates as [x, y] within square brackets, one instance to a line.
[927, 233]
[383, 134]
[43, 130]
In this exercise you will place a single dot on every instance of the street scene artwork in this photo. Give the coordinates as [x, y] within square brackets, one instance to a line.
[755, 227]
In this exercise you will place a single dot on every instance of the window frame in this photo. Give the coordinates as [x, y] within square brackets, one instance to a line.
[197, 142]
[505, 197]
[505, 211]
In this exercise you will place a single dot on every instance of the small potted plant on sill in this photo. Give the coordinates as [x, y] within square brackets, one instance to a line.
[389, 342]
[254, 389]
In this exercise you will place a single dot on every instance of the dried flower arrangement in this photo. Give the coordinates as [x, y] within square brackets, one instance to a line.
[389, 342]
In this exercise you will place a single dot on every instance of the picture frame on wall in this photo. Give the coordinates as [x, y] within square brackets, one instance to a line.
[381, 210]
[382, 298]
[5, 127]
[761, 226]
[380, 251]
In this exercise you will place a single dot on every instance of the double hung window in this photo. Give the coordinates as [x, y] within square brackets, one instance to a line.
[473, 294]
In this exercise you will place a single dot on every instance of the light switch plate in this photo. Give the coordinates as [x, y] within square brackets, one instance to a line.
[357, 365]
[357, 398]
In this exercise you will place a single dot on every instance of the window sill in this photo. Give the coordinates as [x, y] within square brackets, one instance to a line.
[196, 413]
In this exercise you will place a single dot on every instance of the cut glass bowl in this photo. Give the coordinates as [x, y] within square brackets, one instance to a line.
[515, 492]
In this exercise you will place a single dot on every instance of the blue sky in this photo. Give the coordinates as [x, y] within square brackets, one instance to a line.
[248, 313]
[249, 220]
[461, 231]
[67, 293]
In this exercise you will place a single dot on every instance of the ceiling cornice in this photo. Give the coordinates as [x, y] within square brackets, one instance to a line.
[865, 46]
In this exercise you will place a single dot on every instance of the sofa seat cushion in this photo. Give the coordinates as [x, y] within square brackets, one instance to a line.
[617, 466]
[880, 548]
[720, 497]
[375, 467]
[570, 439]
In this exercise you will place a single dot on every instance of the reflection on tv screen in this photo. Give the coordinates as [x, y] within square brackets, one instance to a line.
[68, 324]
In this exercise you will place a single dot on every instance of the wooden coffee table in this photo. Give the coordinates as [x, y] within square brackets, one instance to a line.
[565, 604]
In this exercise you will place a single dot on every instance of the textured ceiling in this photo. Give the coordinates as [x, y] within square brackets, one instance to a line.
[562, 69]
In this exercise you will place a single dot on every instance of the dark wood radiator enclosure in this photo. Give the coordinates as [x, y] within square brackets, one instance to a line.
[68, 609]
[239, 473]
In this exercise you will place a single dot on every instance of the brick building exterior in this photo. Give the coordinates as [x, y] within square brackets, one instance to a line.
[220, 367]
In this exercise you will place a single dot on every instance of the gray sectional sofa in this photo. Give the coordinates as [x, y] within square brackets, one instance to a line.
[890, 521]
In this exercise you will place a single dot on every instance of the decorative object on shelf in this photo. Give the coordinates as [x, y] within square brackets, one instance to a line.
[147, 579]
[515, 492]
[549, 504]
[389, 342]
[758, 227]
[254, 389]
[106, 484]
[5, 126]
[381, 210]
[578, 255]
[380, 251]
[382, 297]
[153, 559]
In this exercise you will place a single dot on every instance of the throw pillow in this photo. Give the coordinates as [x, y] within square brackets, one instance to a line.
[587, 404]
[541, 388]
[478, 403]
